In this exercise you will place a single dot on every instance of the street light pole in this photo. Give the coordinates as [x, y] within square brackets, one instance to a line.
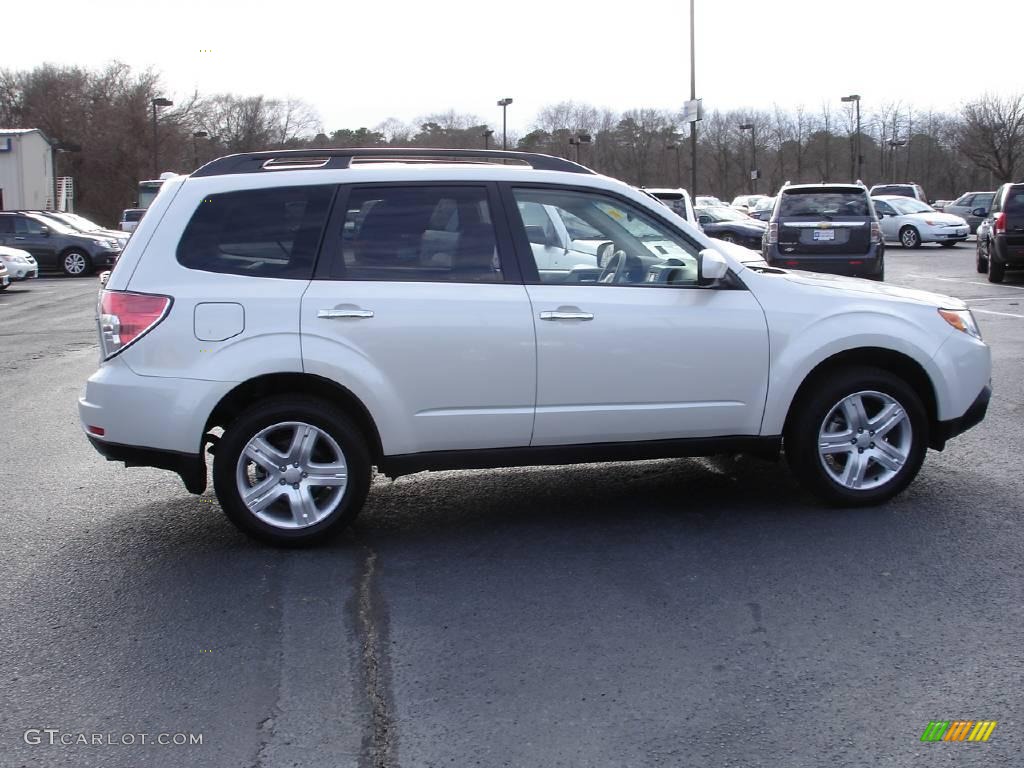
[159, 101]
[679, 172]
[487, 138]
[753, 155]
[693, 97]
[195, 145]
[579, 138]
[503, 103]
[855, 98]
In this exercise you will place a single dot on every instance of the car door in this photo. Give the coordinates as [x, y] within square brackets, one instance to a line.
[888, 220]
[431, 331]
[638, 350]
[35, 237]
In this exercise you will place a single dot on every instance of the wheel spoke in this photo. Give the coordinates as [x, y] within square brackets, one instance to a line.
[266, 455]
[835, 442]
[853, 409]
[304, 509]
[890, 417]
[303, 441]
[326, 474]
[263, 495]
[889, 456]
[853, 472]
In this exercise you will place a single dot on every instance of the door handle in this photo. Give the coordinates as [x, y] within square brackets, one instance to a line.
[334, 314]
[19, 238]
[559, 315]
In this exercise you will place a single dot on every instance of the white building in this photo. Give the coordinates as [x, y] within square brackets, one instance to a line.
[26, 169]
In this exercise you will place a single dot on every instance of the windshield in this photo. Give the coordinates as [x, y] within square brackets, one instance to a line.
[81, 222]
[909, 205]
[57, 226]
[765, 204]
[723, 214]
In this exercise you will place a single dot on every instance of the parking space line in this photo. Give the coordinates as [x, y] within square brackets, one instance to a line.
[992, 312]
[969, 282]
[989, 298]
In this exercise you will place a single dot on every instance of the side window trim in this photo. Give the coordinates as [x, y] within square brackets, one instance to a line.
[331, 249]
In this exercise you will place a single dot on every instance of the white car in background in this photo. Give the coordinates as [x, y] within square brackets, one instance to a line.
[910, 222]
[678, 199]
[20, 264]
[707, 201]
[746, 203]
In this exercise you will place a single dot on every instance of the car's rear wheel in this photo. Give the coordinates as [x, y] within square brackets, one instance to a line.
[996, 271]
[980, 262]
[76, 263]
[857, 437]
[910, 237]
[290, 470]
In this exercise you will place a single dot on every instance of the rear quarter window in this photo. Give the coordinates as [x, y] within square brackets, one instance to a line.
[271, 232]
[1015, 201]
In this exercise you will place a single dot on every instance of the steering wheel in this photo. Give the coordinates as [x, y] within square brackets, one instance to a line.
[610, 276]
[604, 250]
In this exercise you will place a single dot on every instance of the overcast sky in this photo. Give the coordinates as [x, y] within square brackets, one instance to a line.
[358, 63]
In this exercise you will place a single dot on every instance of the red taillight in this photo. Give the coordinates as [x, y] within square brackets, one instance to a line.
[792, 263]
[1000, 222]
[126, 317]
[856, 263]
[876, 233]
[773, 233]
[96, 430]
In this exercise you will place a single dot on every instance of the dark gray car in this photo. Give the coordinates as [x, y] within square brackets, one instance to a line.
[965, 205]
[57, 246]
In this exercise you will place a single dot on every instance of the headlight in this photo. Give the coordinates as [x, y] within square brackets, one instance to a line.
[962, 320]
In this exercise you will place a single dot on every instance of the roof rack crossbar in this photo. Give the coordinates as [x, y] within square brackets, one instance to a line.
[277, 160]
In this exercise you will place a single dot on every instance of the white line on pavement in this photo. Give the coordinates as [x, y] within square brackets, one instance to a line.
[989, 298]
[968, 282]
[1003, 314]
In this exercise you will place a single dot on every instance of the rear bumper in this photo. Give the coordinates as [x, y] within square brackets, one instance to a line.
[190, 467]
[947, 430]
[851, 265]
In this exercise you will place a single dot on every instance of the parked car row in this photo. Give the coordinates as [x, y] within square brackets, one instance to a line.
[54, 244]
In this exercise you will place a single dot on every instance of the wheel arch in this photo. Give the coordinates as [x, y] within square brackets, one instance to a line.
[898, 363]
[267, 385]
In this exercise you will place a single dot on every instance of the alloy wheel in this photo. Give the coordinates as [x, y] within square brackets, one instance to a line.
[291, 475]
[865, 440]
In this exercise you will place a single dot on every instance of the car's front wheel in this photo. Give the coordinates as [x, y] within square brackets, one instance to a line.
[291, 469]
[76, 263]
[980, 261]
[857, 437]
[910, 237]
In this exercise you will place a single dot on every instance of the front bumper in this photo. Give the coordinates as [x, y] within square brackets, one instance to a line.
[18, 272]
[947, 430]
[944, 234]
[105, 258]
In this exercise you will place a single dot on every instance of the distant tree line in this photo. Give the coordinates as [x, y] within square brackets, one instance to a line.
[105, 116]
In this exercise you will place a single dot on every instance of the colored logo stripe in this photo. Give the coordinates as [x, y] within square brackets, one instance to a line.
[958, 730]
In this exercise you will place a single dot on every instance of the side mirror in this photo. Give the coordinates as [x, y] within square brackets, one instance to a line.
[711, 266]
[535, 234]
[704, 219]
[44, 231]
[979, 212]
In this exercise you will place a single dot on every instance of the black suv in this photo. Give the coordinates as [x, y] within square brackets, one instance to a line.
[56, 245]
[1001, 233]
[825, 228]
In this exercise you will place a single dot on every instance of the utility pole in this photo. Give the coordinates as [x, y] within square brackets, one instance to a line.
[693, 97]
[503, 103]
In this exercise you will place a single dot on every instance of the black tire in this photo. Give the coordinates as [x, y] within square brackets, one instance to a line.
[980, 262]
[5, 287]
[910, 237]
[996, 271]
[950, 243]
[76, 263]
[291, 408]
[807, 418]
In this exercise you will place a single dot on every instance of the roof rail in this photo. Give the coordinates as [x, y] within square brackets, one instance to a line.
[297, 159]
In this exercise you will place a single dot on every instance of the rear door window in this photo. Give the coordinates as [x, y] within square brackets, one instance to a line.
[1015, 201]
[272, 232]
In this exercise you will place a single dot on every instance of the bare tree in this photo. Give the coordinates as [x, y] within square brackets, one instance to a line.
[992, 134]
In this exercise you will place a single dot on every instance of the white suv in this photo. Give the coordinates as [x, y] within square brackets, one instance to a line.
[312, 314]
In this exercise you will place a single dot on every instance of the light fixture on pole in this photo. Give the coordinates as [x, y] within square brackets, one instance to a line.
[487, 138]
[754, 173]
[855, 98]
[159, 101]
[195, 146]
[895, 144]
[679, 173]
[579, 138]
[503, 103]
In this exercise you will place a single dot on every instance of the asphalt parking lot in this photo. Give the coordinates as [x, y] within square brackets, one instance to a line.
[663, 613]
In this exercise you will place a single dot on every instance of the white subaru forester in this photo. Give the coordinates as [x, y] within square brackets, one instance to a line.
[311, 314]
